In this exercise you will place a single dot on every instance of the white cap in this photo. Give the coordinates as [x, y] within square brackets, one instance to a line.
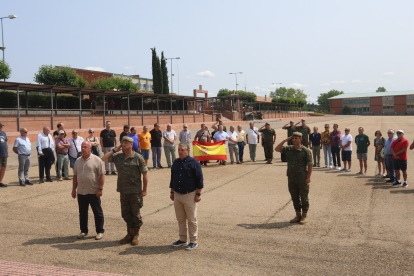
[402, 131]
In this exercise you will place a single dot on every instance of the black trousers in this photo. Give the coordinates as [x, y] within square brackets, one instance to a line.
[84, 201]
[336, 156]
[44, 165]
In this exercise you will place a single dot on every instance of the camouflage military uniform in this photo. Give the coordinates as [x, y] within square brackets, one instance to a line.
[297, 172]
[129, 185]
[290, 131]
[305, 132]
[268, 142]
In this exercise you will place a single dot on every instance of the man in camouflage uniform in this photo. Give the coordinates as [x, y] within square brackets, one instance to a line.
[269, 138]
[299, 172]
[290, 130]
[305, 130]
[130, 165]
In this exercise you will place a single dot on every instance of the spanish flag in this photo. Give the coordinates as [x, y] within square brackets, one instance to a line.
[204, 151]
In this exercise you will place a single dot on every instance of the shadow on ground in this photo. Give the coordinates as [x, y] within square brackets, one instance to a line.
[273, 225]
[69, 243]
[150, 250]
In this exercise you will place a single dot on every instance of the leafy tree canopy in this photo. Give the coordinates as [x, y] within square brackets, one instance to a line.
[289, 93]
[117, 83]
[5, 70]
[381, 89]
[59, 76]
[347, 110]
[323, 98]
[226, 92]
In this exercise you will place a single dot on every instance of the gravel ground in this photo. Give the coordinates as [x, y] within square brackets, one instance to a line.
[357, 225]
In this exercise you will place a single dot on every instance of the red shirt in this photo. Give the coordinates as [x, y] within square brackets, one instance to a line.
[112, 104]
[398, 145]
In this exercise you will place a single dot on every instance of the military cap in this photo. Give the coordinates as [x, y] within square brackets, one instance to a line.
[292, 122]
[128, 139]
[297, 134]
[267, 123]
[303, 120]
[220, 120]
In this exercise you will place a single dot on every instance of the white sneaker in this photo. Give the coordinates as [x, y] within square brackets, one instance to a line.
[325, 166]
[332, 167]
[339, 168]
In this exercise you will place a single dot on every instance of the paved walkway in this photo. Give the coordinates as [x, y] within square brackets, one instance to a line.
[22, 269]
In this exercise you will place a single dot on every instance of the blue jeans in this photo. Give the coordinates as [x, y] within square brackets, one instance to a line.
[389, 165]
[327, 151]
[167, 151]
[241, 150]
[156, 156]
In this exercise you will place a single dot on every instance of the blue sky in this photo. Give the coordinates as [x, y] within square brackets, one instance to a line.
[354, 46]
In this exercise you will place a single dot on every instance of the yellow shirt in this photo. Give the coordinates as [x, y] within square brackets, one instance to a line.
[242, 135]
[144, 140]
[325, 137]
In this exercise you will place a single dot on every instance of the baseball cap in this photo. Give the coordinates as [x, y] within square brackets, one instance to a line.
[402, 131]
[61, 132]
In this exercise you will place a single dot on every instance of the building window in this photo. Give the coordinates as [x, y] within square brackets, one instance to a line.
[354, 109]
[384, 107]
[367, 109]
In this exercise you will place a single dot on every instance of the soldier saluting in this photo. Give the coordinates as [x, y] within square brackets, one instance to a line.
[299, 172]
[130, 165]
[269, 138]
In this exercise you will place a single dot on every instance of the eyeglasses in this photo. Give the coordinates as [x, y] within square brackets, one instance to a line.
[185, 127]
[91, 132]
[399, 133]
[74, 133]
[24, 131]
[346, 129]
[390, 133]
[326, 127]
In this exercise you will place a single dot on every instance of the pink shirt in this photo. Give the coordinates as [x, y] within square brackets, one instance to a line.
[58, 141]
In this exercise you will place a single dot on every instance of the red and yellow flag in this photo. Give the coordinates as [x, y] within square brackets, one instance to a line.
[204, 151]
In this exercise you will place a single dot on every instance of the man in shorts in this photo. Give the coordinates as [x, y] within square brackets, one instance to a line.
[346, 146]
[362, 142]
[399, 154]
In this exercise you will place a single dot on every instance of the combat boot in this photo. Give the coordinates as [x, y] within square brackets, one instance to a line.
[297, 218]
[128, 237]
[303, 219]
[135, 240]
[270, 161]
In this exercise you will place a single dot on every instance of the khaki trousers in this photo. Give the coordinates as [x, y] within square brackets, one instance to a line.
[186, 213]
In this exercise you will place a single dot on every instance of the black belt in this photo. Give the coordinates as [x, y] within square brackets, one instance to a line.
[185, 192]
[389, 154]
[25, 154]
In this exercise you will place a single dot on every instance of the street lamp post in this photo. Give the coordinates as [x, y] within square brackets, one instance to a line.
[171, 72]
[235, 74]
[2, 37]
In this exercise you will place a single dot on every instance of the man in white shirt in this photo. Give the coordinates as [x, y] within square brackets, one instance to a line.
[346, 146]
[252, 138]
[233, 148]
[45, 146]
[221, 136]
[23, 148]
[75, 149]
[169, 136]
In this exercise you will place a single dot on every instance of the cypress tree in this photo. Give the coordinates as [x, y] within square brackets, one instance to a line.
[165, 87]
[156, 72]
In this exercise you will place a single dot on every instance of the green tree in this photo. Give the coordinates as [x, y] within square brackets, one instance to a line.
[226, 92]
[5, 70]
[347, 110]
[164, 72]
[156, 73]
[120, 84]
[381, 89]
[59, 76]
[297, 95]
[323, 98]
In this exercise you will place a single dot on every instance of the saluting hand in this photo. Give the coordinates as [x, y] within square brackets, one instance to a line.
[117, 149]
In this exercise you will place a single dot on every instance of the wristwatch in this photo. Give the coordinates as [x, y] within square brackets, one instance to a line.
[113, 150]
[100, 189]
[198, 194]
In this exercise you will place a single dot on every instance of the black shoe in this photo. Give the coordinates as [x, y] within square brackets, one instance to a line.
[113, 173]
[319, 166]
[28, 182]
[3, 185]
[191, 246]
[22, 183]
[389, 181]
[160, 167]
[107, 172]
[314, 166]
[42, 180]
[154, 168]
[49, 180]
[179, 243]
[169, 166]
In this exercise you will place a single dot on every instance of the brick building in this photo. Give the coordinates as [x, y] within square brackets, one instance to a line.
[400, 102]
[143, 84]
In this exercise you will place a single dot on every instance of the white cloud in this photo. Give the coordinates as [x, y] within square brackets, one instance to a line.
[388, 74]
[206, 74]
[325, 84]
[357, 81]
[128, 67]
[95, 68]
[298, 85]
[338, 82]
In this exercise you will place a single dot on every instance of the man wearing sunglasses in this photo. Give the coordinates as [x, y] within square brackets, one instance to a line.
[399, 154]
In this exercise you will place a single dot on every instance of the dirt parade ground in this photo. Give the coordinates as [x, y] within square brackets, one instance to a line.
[357, 224]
